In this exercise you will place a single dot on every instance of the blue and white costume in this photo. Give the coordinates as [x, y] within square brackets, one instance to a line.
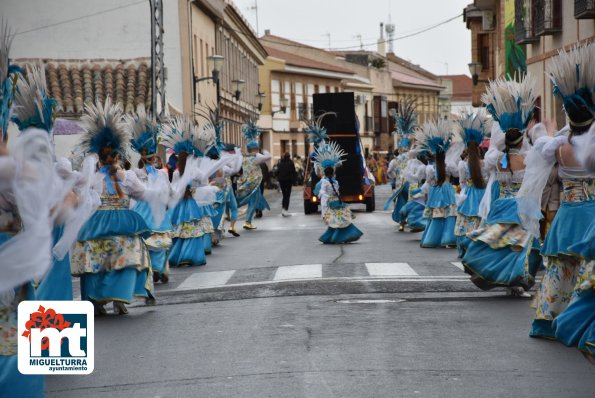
[502, 251]
[144, 142]
[335, 213]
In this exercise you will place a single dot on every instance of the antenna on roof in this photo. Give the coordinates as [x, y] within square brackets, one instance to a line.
[328, 35]
[390, 30]
[255, 9]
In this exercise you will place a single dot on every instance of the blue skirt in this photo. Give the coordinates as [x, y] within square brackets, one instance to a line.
[208, 243]
[188, 210]
[110, 223]
[144, 210]
[507, 264]
[413, 214]
[402, 196]
[341, 235]
[570, 226]
[576, 320]
[15, 384]
[256, 202]
[470, 207]
[189, 251]
[439, 232]
[118, 285]
[158, 261]
[57, 283]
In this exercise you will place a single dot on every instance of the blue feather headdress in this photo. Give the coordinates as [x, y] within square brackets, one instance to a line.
[573, 76]
[33, 106]
[144, 132]
[328, 155]
[436, 136]
[251, 132]
[405, 122]
[473, 126]
[215, 123]
[183, 135]
[317, 133]
[104, 127]
[9, 75]
[511, 103]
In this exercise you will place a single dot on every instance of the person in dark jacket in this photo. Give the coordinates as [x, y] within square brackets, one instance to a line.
[286, 175]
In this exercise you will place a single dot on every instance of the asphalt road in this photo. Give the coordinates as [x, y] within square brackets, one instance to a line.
[275, 313]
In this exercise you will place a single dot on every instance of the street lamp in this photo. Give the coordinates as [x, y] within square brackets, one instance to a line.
[214, 63]
[284, 102]
[238, 84]
[260, 97]
[475, 68]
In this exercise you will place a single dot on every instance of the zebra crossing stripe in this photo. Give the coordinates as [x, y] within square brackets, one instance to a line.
[390, 269]
[303, 271]
[201, 280]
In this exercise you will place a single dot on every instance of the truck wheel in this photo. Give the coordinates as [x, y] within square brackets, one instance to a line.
[370, 204]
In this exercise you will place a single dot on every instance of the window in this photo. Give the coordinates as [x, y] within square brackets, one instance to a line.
[548, 16]
[483, 46]
[301, 111]
[202, 66]
[284, 146]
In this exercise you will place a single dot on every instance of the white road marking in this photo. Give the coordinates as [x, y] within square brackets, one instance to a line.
[390, 269]
[304, 271]
[202, 280]
[459, 265]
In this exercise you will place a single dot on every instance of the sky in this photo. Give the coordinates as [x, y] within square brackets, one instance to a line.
[443, 50]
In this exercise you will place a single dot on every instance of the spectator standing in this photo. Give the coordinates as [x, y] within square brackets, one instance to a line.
[286, 175]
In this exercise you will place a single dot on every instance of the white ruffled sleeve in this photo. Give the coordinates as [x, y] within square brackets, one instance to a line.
[263, 157]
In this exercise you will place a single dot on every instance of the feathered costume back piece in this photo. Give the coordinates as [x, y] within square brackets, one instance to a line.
[473, 126]
[144, 132]
[511, 103]
[328, 154]
[406, 122]
[104, 127]
[251, 132]
[317, 133]
[435, 136]
[182, 135]
[33, 106]
[9, 75]
[573, 75]
[215, 124]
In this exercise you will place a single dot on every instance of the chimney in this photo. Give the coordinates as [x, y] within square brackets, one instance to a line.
[381, 42]
[267, 32]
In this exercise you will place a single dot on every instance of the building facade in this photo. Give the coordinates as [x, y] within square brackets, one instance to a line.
[512, 37]
[217, 28]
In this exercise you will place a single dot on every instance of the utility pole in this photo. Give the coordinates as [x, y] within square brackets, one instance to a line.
[157, 61]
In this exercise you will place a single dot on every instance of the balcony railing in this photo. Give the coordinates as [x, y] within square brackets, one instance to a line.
[523, 23]
[584, 9]
[548, 17]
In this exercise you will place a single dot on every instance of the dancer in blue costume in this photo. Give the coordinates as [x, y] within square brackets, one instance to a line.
[440, 211]
[25, 222]
[29, 116]
[335, 212]
[412, 214]
[573, 77]
[144, 142]
[249, 193]
[191, 215]
[225, 203]
[503, 252]
[473, 127]
[575, 326]
[110, 255]
[405, 123]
